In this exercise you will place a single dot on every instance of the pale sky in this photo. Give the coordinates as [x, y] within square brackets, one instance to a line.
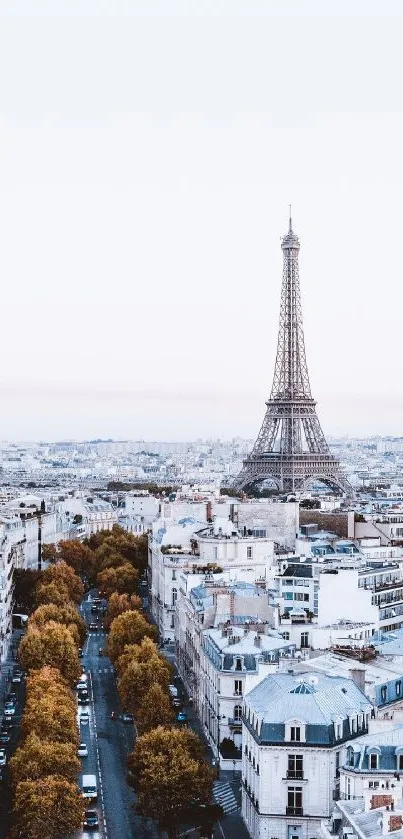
[148, 154]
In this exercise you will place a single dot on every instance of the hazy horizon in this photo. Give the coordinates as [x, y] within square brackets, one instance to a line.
[149, 150]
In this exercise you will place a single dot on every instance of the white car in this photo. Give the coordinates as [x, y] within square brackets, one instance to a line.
[84, 718]
[3, 759]
[9, 708]
[82, 750]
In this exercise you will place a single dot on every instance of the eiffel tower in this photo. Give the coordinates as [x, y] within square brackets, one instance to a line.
[291, 448]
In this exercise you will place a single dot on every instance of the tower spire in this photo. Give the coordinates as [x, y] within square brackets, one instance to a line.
[291, 448]
[290, 219]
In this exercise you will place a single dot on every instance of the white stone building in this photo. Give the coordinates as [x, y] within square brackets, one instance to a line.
[295, 731]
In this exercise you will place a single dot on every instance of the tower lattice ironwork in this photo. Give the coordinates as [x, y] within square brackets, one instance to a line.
[291, 448]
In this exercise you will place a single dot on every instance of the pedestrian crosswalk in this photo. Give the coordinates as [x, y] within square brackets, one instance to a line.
[223, 794]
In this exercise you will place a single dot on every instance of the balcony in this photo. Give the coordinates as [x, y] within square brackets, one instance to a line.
[294, 811]
[234, 723]
[295, 775]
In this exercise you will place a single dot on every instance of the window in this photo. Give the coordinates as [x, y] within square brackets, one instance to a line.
[373, 761]
[304, 640]
[350, 757]
[295, 733]
[294, 801]
[286, 636]
[400, 762]
[288, 595]
[249, 552]
[174, 575]
[174, 596]
[348, 787]
[398, 688]
[238, 712]
[238, 664]
[383, 693]
[238, 687]
[295, 766]
[172, 621]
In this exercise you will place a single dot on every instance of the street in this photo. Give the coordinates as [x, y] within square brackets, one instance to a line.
[109, 742]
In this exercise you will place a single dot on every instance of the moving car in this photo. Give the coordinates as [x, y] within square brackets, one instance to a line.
[9, 709]
[91, 820]
[82, 682]
[126, 717]
[82, 750]
[17, 677]
[89, 787]
[5, 736]
[3, 758]
[94, 627]
[84, 718]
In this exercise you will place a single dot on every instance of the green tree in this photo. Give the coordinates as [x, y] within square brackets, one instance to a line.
[128, 628]
[25, 581]
[49, 810]
[36, 758]
[169, 776]
[53, 645]
[154, 709]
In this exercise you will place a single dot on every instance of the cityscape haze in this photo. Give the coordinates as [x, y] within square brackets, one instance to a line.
[148, 153]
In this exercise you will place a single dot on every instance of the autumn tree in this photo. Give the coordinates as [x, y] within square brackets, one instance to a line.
[169, 775]
[51, 810]
[36, 758]
[122, 579]
[67, 615]
[137, 680]
[61, 573]
[50, 719]
[133, 548]
[53, 645]
[154, 709]
[79, 557]
[48, 681]
[128, 628]
[49, 553]
[142, 653]
[55, 593]
[119, 603]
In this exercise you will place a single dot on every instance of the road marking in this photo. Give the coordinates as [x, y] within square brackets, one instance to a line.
[98, 761]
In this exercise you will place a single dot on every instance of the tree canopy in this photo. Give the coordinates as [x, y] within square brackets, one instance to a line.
[169, 775]
[122, 579]
[52, 809]
[128, 628]
[119, 603]
[36, 758]
[51, 645]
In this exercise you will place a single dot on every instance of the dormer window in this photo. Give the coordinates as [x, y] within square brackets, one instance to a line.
[295, 731]
[238, 664]
[373, 761]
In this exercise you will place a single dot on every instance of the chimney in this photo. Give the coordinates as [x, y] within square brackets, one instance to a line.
[357, 674]
[209, 512]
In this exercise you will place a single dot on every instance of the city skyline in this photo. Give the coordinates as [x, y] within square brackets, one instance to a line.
[142, 209]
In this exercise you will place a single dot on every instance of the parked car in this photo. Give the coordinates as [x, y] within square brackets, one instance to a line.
[82, 750]
[3, 758]
[80, 652]
[12, 697]
[5, 736]
[9, 709]
[83, 697]
[182, 716]
[17, 677]
[91, 820]
[7, 719]
[84, 718]
[127, 717]
[82, 682]
[177, 703]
